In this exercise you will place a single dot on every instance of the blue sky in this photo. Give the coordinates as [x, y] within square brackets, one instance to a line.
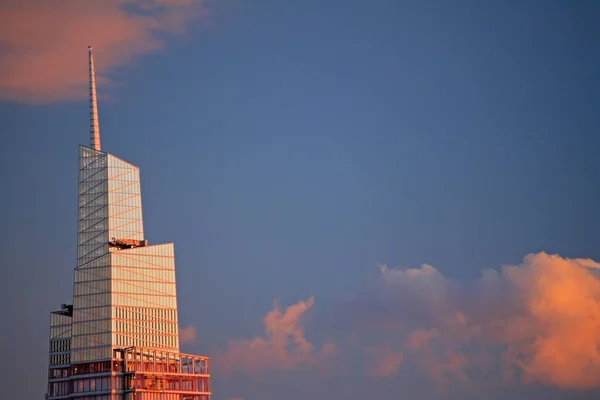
[289, 148]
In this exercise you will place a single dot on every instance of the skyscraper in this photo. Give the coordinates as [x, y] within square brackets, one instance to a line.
[119, 338]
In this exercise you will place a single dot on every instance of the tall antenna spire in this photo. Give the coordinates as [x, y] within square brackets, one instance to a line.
[94, 125]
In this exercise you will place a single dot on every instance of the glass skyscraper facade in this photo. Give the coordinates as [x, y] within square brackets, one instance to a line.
[119, 337]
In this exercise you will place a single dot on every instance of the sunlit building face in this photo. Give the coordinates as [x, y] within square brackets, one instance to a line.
[119, 338]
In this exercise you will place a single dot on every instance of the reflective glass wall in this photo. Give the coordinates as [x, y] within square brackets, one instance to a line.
[91, 289]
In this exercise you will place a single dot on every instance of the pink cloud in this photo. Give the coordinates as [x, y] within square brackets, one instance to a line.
[44, 42]
[284, 346]
[188, 334]
[386, 362]
[539, 321]
[557, 340]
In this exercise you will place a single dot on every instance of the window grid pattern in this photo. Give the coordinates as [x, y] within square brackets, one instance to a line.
[60, 352]
[60, 325]
[91, 339]
[144, 297]
[124, 200]
[92, 234]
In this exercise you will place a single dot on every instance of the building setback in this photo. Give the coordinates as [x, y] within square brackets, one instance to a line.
[119, 338]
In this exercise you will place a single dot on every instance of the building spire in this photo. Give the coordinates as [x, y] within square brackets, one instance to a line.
[94, 125]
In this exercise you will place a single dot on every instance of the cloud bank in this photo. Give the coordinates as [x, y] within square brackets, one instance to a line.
[537, 322]
[533, 323]
[44, 43]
